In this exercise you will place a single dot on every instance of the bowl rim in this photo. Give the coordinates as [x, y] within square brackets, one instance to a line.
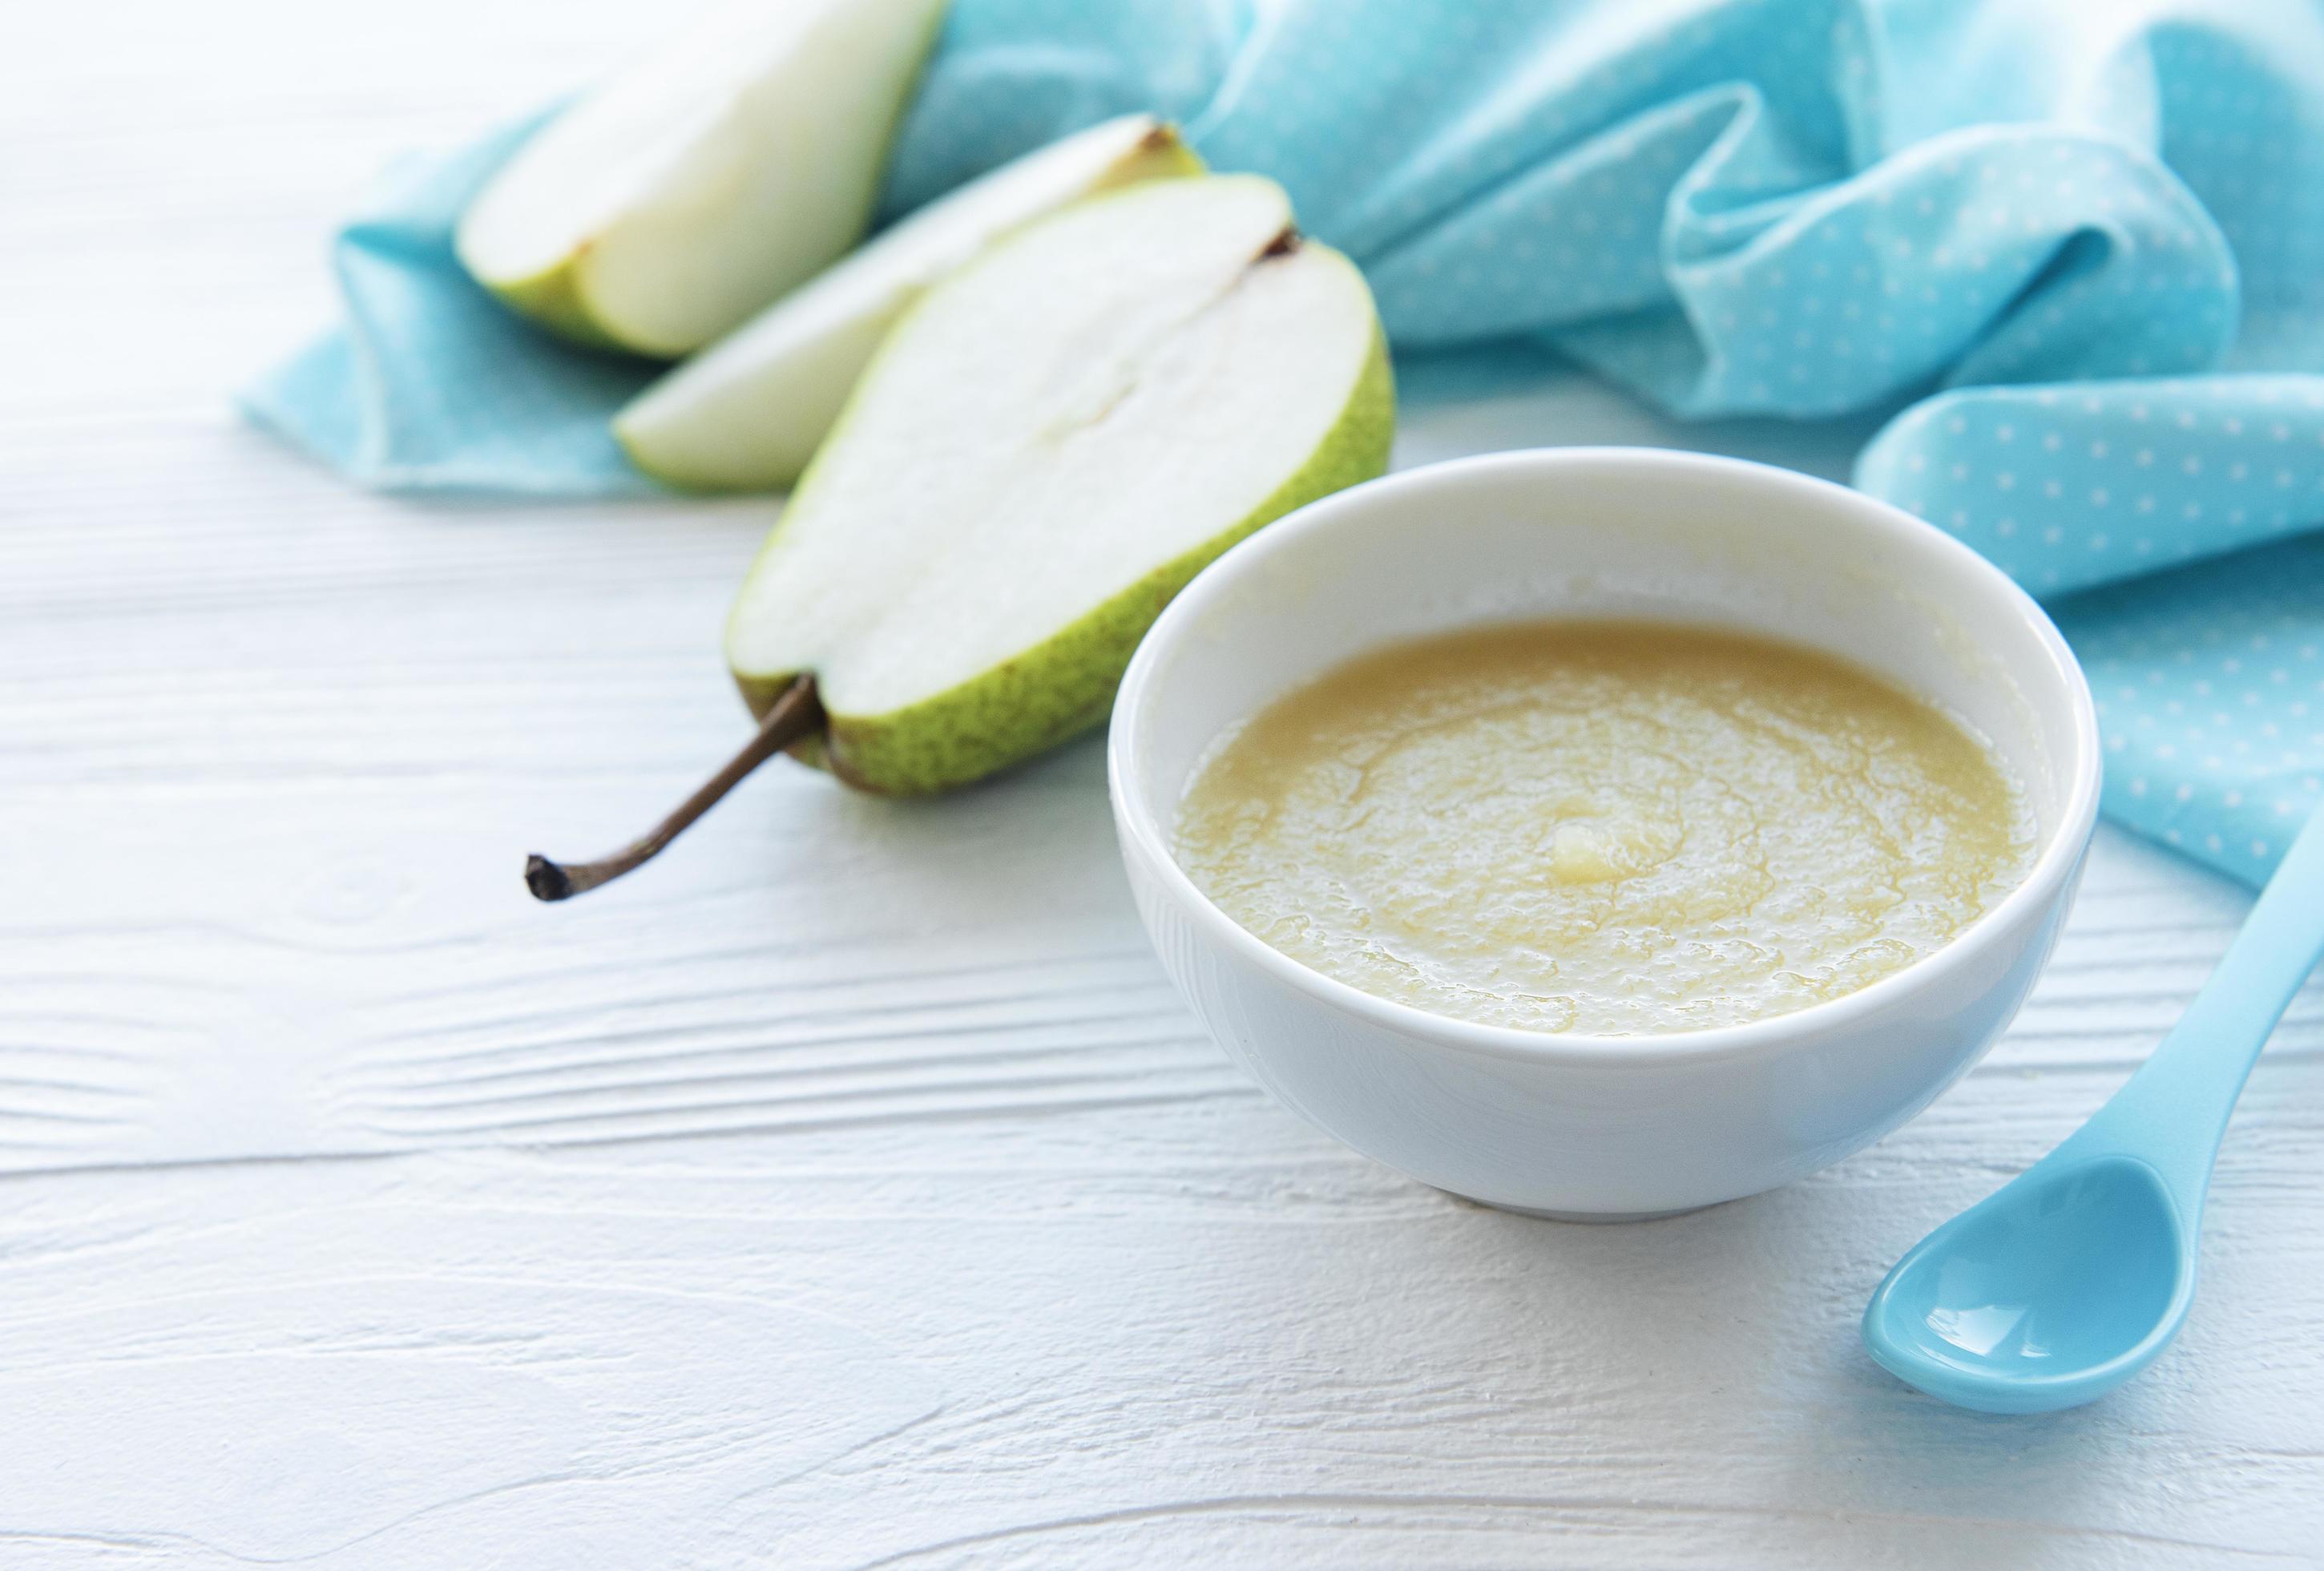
[2050, 876]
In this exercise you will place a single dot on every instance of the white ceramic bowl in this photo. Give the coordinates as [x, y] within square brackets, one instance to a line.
[1603, 1127]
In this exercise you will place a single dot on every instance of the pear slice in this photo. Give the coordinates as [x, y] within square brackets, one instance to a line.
[721, 171]
[747, 413]
[1049, 445]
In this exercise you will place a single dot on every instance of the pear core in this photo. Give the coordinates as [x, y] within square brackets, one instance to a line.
[1613, 829]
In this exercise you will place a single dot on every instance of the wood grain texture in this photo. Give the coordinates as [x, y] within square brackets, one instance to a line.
[846, 1189]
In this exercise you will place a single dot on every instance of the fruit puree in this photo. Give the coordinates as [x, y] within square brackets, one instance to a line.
[1604, 828]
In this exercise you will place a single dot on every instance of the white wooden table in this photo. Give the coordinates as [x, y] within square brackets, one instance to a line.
[847, 1189]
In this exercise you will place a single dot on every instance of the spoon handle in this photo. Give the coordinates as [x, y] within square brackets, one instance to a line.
[2174, 1113]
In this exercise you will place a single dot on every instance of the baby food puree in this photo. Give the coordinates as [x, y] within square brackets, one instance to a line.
[1611, 828]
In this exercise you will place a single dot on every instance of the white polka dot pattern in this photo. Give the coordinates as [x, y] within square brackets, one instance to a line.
[2067, 487]
[2210, 690]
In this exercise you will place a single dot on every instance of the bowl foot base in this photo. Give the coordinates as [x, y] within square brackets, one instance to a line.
[1579, 1215]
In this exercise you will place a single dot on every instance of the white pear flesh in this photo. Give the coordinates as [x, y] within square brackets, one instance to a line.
[1049, 445]
[717, 173]
[747, 413]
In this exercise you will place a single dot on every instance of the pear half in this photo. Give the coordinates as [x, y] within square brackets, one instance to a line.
[747, 413]
[718, 173]
[1050, 444]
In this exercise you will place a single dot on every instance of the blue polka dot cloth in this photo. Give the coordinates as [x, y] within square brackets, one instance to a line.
[2075, 249]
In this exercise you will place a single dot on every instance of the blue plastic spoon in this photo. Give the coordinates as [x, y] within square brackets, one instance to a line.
[2070, 1279]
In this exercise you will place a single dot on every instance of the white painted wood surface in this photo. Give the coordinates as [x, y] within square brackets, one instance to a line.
[847, 1189]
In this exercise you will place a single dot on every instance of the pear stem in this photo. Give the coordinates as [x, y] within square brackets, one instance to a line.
[796, 713]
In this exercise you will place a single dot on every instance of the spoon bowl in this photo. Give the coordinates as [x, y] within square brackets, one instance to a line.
[2049, 1294]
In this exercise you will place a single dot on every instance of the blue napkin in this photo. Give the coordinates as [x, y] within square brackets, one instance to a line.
[2087, 239]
